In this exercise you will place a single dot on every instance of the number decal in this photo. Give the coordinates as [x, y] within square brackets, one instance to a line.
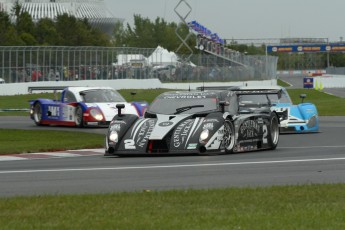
[53, 111]
[129, 144]
[265, 134]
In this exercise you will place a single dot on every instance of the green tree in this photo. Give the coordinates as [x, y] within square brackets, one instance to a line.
[148, 34]
[336, 59]
[26, 29]
[46, 33]
[119, 37]
[28, 39]
[66, 28]
[25, 24]
[93, 36]
[8, 34]
[78, 32]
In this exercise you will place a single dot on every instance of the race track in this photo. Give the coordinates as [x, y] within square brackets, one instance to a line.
[299, 159]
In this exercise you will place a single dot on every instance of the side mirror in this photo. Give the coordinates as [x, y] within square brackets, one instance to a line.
[119, 107]
[302, 96]
[223, 104]
[133, 94]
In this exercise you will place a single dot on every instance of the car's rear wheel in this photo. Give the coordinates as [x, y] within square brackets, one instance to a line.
[229, 136]
[79, 122]
[274, 131]
[37, 113]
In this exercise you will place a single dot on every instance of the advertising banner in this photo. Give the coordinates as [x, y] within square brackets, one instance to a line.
[308, 82]
[308, 48]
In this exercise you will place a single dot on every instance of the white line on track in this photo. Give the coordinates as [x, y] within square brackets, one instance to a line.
[173, 166]
[312, 147]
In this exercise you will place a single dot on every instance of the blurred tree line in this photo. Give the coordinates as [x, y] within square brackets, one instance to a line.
[68, 30]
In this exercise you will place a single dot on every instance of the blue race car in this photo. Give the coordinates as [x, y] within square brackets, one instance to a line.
[301, 118]
[82, 106]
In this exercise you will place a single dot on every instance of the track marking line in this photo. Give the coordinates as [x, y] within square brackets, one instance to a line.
[49, 155]
[312, 147]
[173, 166]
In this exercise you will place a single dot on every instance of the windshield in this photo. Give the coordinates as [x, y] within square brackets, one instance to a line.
[253, 100]
[261, 100]
[283, 99]
[183, 106]
[101, 95]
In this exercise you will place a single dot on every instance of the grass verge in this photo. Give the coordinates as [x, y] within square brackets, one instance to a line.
[326, 104]
[29, 141]
[283, 207]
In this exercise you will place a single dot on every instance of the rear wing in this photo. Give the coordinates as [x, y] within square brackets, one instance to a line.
[45, 88]
[258, 92]
[202, 88]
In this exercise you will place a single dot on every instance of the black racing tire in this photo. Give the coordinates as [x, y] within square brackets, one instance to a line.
[229, 136]
[274, 131]
[37, 113]
[79, 122]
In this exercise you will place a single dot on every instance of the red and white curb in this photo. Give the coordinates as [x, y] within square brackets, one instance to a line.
[47, 155]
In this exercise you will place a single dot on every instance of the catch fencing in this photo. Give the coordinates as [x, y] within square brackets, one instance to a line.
[62, 63]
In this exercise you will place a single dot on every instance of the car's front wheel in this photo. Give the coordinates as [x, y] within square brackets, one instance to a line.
[79, 122]
[229, 136]
[37, 113]
[274, 131]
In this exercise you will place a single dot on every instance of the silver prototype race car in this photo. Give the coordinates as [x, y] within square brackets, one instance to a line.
[196, 122]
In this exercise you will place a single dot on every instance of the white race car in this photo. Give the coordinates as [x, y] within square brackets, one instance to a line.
[82, 106]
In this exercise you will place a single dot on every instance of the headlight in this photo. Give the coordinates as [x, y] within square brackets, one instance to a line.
[312, 122]
[114, 136]
[95, 113]
[204, 135]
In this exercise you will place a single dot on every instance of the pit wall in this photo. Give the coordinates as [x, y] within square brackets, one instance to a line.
[22, 88]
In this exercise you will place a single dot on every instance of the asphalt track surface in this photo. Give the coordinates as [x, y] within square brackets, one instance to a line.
[299, 159]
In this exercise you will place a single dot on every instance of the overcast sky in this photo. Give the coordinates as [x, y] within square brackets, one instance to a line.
[247, 19]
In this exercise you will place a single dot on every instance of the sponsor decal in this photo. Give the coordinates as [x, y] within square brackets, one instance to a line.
[215, 142]
[185, 97]
[144, 133]
[166, 124]
[68, 113]
[249, 129]
[211, 120]
[181, 132]
[192, 146]
[119, 122]
[208, 126]
[53, 111]
[115, 127]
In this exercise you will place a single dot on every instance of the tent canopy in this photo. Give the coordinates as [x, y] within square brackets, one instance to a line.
[162, 56]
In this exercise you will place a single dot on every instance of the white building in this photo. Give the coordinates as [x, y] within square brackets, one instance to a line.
[94, 10]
